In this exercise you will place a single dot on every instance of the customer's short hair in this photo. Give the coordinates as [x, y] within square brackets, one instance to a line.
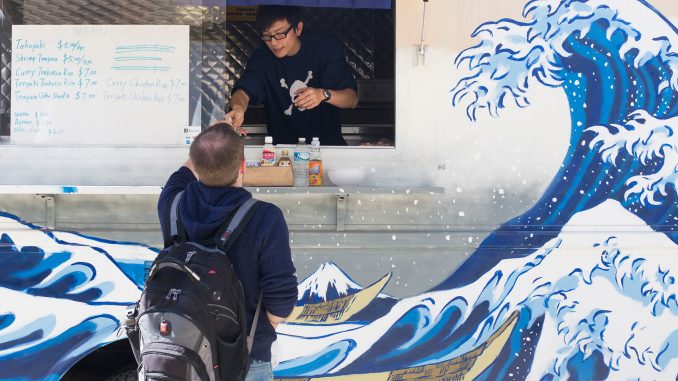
[268, 14]
[217, 154]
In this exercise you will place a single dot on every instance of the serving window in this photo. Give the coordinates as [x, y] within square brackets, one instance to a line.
[369, 39]
[152, 72]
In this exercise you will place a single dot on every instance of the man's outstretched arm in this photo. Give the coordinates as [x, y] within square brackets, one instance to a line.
[175, 184]
[239, 103]
[310, 97]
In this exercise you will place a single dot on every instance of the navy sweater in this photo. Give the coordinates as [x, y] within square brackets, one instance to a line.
[261, 255]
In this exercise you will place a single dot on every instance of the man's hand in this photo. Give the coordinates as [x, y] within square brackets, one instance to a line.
[239, 103]
[235, 118]
[308, 98]
[275, 320]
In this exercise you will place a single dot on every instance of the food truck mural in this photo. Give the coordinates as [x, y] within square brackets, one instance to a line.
[581, 285]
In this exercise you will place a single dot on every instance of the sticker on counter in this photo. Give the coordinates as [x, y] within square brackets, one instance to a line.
[190, 133]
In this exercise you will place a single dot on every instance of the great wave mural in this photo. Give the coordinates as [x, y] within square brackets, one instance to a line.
[581, 286]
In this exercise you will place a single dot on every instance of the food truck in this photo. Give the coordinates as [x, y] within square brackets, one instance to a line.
[511, 212]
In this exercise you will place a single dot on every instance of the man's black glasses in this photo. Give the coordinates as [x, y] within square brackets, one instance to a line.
[277, 36]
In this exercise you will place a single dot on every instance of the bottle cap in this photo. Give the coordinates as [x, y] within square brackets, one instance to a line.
[302, 140]
[316, 139]
[268, 140]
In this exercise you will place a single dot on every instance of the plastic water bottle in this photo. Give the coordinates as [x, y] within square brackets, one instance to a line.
[315, 149]
[300, 163]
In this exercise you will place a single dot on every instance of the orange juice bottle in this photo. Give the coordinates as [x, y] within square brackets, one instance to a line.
[315, 166]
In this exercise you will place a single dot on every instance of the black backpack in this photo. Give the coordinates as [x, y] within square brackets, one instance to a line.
[190, 323]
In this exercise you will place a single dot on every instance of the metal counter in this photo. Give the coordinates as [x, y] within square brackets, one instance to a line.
[366, 231]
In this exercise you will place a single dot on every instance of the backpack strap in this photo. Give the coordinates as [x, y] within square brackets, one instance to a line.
[225, 239]
[229, 234]
[250, 337]
[176, 228]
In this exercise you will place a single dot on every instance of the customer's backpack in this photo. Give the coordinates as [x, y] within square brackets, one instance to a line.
[190, 323]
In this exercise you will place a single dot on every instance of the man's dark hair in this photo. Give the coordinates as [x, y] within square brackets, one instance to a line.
[268, 14]
[217, 154]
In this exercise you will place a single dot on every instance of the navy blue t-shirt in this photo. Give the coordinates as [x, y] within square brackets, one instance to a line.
[268, 80]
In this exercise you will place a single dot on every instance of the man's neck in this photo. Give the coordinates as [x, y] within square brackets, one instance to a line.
[238, 181]
[296, 49]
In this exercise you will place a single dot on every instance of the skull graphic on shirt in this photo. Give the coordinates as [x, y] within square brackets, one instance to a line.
[296, 85]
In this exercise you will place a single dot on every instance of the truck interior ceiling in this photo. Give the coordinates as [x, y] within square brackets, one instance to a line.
[221, 39]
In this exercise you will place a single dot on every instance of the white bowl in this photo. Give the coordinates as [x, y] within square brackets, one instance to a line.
[346, 177]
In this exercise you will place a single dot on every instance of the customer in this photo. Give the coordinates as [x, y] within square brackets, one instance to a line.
[212, 180]
[302, 79]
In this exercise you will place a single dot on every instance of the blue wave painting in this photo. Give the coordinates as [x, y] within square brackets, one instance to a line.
[591, 304]
[64, 296]
[618, 65]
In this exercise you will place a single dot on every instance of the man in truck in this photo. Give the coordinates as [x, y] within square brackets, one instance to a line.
[303, 80]
[212, 179]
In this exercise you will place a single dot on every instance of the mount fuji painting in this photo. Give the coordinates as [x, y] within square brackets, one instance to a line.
[326, 283]
[329, 291]
[581, 285]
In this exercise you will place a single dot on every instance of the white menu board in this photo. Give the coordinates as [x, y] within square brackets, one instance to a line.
[100, 84]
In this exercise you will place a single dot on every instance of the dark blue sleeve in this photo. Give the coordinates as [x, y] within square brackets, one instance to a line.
[175, 184]
[253, 80]
[276, 270]
[336, 74]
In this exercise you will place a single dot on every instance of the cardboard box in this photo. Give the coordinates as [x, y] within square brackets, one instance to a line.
[268, 177]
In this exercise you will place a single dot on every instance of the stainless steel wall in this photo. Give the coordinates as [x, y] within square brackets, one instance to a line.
[409, 233]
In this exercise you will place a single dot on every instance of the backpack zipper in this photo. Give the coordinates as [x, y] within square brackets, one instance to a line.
[173, 263]
[155, 376]
[230, 314]
[207, 312]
